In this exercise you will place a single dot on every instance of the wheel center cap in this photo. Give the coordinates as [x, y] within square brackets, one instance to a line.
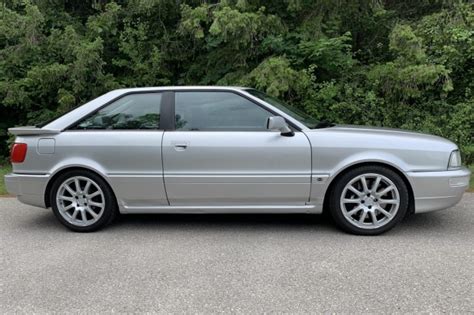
[369, 202]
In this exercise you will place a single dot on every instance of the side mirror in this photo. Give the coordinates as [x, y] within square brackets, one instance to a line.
[279, 123]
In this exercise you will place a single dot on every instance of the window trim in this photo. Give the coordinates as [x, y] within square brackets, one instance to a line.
[173, 122]
[164, 98]
[167, 111]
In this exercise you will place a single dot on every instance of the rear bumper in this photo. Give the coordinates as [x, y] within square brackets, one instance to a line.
[29, 189]
[438, 190]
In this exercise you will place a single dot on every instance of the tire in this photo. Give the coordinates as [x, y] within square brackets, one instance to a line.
[83, 211]
[366, 209]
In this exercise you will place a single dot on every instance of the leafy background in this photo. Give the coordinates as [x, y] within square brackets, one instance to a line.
[397, 63]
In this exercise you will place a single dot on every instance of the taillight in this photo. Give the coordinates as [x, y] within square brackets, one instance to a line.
[18, 152]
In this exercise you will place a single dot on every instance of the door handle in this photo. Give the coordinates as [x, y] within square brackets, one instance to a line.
[180, 146]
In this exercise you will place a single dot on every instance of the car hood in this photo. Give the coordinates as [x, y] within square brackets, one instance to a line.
[412, 151]
[389, 133]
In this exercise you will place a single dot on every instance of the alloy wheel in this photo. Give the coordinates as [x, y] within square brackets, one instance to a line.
[370, 201]
[80, 201]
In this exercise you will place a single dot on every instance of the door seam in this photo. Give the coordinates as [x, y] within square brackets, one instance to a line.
[163, 168]
[311, 168]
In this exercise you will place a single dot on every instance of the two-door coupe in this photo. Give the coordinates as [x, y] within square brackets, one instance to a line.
[226, 149]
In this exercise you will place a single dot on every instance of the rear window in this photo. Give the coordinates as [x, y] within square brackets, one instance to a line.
[131, 112]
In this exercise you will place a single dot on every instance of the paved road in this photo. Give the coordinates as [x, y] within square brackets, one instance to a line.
[235, 263]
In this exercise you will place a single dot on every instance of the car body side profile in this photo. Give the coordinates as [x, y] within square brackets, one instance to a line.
[226, 150]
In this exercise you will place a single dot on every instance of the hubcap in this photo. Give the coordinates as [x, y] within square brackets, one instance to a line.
[80, 201]
[370, 201]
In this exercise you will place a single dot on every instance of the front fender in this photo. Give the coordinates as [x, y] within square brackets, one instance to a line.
[322, 179]
[372, 156]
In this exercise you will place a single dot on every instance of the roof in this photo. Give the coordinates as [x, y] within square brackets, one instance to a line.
[183, 87]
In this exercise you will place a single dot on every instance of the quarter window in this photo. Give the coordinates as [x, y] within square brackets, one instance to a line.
[219, 111]
[134, 111]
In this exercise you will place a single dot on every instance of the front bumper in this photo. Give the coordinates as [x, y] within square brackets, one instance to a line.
[29, 189]
[438, 190]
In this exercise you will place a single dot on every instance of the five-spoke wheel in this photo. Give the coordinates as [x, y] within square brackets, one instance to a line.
[369, 200]
[82, 201]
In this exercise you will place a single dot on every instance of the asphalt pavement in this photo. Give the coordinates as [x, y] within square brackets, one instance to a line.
[235, 264]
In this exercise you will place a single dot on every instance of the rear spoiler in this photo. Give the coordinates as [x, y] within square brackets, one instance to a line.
[32, 130]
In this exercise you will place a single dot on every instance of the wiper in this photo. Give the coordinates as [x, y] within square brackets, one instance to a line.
[324, 124]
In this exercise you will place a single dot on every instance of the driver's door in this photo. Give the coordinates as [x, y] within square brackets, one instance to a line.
[222, 154]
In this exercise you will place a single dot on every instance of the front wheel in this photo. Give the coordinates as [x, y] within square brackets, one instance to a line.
[369, 200]
[82, 201]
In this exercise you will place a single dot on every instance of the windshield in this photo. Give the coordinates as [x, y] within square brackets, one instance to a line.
[307, 120]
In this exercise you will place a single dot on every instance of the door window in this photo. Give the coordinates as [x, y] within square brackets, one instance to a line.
[134, 111]
[218, 111]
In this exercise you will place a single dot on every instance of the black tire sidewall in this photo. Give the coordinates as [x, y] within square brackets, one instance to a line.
[110, 209]
[336, 192]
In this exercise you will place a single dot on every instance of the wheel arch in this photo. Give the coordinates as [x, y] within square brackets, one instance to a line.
[63, 170]
[411, 196]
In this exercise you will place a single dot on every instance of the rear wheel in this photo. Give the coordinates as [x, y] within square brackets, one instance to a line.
[369, 200]
[82, 201]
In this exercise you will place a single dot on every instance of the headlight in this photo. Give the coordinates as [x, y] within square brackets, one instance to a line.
[454, 160]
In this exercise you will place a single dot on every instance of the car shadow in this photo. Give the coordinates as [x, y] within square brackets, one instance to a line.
[224, 221]
[414, 224]
[321, 223]
[45, 220]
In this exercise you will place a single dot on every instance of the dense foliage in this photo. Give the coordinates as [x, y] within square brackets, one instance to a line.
[405, 64]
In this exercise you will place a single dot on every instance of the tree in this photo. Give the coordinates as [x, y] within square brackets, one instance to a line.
[378, 62]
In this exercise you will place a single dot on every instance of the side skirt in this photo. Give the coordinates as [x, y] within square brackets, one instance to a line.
[315, 209]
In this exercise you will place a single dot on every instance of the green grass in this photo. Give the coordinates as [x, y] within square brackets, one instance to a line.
[5, 168]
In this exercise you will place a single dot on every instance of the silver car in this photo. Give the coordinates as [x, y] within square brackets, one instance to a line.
[226, 150]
